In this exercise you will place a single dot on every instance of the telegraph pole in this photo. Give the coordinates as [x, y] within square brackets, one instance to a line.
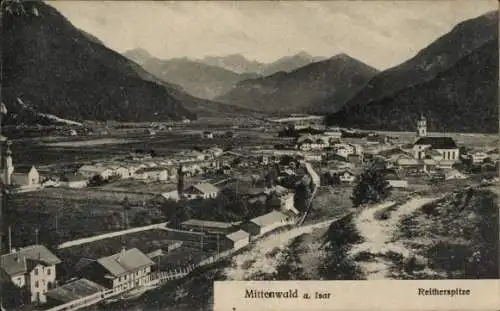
[36, 235]
[10, 240]
[218, 249]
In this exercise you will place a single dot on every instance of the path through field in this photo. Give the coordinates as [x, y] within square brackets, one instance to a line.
[256, 260]
[377, 235]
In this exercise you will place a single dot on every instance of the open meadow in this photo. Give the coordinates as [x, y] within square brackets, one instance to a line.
[65, 214]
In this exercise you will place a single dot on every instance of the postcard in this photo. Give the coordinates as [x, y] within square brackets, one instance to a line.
[249, 155]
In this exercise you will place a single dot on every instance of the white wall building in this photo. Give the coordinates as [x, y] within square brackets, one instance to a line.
[33, 268]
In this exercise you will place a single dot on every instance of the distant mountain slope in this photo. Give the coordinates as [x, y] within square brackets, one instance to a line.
[303, 89]
[234, 62]
[138, 55]
[289, 63]
[429, 62]
[57, 69]
[461, 99]
[239, 64]
[194, 77]
[457, 89]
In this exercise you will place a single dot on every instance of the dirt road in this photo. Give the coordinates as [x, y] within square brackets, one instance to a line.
[258, 258]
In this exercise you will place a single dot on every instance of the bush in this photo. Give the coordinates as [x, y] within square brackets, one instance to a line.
[371, 187]
[97, 181]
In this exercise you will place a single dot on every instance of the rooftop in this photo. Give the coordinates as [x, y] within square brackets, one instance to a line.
[92, 168]
[23, 169]
[125, 261]
[74, 290]
[208, 223]
[205, 188]
[17, 262]
[238, 235]
[150, 169]
[437, 142]
[269, 218]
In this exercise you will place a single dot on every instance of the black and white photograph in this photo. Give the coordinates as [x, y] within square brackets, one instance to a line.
[151, 148]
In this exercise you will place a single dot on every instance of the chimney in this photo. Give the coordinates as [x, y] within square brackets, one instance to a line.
[122, 252]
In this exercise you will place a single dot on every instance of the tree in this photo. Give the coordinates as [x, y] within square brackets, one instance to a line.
[180, 180]
[270, 178]
[330, 179]
[301, 196]
[286, 159]
[96, 181]
[371, 187]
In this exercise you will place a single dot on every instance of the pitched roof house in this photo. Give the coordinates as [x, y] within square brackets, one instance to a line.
[237, 240]
[34, 267]
[26, 176]
[201, 191]
[266, 223]
[93, 170]
[209, 226]
[122, 271]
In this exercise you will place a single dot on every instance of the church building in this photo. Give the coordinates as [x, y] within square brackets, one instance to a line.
[433, 147]
[24, 177]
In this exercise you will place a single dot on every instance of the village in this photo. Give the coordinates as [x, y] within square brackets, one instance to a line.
[200, 204]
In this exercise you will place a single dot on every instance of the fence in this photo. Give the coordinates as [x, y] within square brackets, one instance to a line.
[111, 235]
[86, 301]
[157, 279]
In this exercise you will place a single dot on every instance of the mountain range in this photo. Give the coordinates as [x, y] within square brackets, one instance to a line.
[212, 76]
[56, 69]
[453, 81]
[303, 89]
[239, 64]
[53, 70]
[196, 78]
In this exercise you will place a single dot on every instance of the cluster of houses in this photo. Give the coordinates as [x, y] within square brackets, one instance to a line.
[433, 156]
[426, 155]
[33, 269]
[147, 168]
[234, 236]
[328, 145]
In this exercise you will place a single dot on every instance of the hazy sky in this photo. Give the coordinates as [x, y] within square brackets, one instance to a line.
[380, 33]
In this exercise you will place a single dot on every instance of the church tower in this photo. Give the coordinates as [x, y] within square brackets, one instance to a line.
[422, 127]
[7, 166]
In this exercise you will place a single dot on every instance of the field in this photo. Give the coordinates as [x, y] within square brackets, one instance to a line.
[51, 150]
[65, 214]
[182, 257]
[330, 202]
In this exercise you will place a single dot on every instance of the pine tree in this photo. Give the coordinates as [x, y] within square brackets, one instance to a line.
[371, 187]
[301, 197]
[180, 181]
